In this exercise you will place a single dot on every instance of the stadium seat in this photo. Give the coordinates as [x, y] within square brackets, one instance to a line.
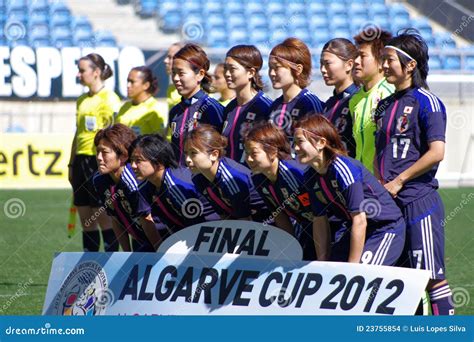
[277, 21]
[171, 22]
[168, 6]
[315, 9]
[277, 36]
[434, 63]
[235, 21]
[452, 62]
[445, 41]
[318, 22]
[469, 62]
[146, 8]
[64, 42]
[39, 42]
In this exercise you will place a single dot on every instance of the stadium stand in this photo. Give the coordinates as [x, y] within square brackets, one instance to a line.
[39, 23]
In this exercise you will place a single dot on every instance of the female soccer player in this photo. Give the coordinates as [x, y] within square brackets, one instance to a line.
[226, 184]
[368, 71]
[290, 70]
[168, 188]
[279, 180]
[336, 65]
[141, 112]
[410, 145]
[118, 189]
[343, 187]
[95, 110]
[219, 85]
[190, 66]
[242, 64]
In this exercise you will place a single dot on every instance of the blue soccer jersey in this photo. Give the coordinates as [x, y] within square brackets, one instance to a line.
[123, 201]
[176, 203]
[287, 192]
[188, 114]
[337, 111]
[348, 187]
[284, 114]
[239, 120]
[232, 193]
[407, 122]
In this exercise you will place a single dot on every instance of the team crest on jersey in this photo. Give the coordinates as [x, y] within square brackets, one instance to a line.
[341, 123]
[402, 123]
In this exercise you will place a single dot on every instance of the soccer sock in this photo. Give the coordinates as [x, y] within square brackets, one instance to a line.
[91, 241]
[110, 241]
[442, 300]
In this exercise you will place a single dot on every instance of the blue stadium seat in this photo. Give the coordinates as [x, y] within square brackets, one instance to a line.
[277, 21]
[257, 19]
[238, 37]
[18, 42]
[337, 22]
[258, 36]
[58, 7]
[469, 62]
[61, 32]
[275, 7]
[39, 31]
[220, 44]
[146, 8]
[340, 33]
[214, 19]
[357, 9]
[37, 16]
[295, 7]
[60, 18]
[216, 34]
[320, 38]
[235, 21]
[445, 41]
[253, 6]
[318, 22]
[234, 6]
[376, 9]
[297, 21]
[451, 62]
[397, 10]
[316, 9]
[212, 6]
[39, 42]
[171, 22]
[168, 6]
[434, 63]
[39, 5]
[63, 42]
[303, 34]
[277, 36]
[105, 38]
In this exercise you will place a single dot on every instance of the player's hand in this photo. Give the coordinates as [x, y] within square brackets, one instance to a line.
[393, 187]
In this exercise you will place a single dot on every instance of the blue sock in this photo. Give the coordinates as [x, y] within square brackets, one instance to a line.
[441, 299]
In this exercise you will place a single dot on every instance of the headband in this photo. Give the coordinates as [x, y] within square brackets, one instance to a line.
[401, 51]
[292, 64]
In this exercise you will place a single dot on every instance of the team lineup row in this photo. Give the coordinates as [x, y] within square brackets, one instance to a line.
[362, 188]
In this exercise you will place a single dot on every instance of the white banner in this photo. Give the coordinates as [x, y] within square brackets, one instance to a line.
[245, 238]
[171, 284]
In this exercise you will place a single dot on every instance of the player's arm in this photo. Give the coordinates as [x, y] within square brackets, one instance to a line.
[433, 156]
[283, 221]
[122, 235]
[322, 237]
[359, 226]
[150, 230]
[71, 158]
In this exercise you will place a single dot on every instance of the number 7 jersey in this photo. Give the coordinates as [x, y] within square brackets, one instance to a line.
[407, 122]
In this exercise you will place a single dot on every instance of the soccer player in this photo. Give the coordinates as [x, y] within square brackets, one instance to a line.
[290, 70]
[242, 64]
[410, 141]
[95, 110]
[336, 65]
[226, 184]
[141, 112]
[172, 95]
[341, 186]
[279, 181]
[118, 189]
[219, 85]
[190, 66]
[173, 198]
[368, 71]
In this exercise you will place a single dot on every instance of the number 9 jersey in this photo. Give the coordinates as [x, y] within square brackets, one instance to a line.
[407, 122]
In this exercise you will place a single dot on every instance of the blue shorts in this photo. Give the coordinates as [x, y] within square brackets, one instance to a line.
[383, 246]
[304, 235]
[425, 234]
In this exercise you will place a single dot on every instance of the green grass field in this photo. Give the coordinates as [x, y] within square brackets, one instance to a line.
[28, 243]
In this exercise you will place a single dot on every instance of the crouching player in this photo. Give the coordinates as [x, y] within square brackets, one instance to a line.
[339, 185]
[410, 145]
[118, 189]
[279, 180]
[168, 188]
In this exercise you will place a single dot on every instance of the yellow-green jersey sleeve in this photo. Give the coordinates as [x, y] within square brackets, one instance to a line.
[143, 118]
[92, 114]
[362, 107]
[172, 97]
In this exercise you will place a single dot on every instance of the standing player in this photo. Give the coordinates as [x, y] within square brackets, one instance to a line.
[190, 66]
[95, 110]
[343, 187]
[337, 63]
[174, 199]
[219, 85]
[141, 112]
[368, 71]
[172, 95]
[118, 189]
[226, 184]
[279, 180]
[410, 145]
[290, 70]
[242, 63]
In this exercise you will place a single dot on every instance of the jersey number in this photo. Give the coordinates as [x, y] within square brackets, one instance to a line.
[402, 141]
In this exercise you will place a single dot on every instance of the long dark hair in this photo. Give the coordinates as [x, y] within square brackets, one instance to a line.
[156, 149]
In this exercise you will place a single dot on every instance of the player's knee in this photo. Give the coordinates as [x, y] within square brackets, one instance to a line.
[435, 283]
